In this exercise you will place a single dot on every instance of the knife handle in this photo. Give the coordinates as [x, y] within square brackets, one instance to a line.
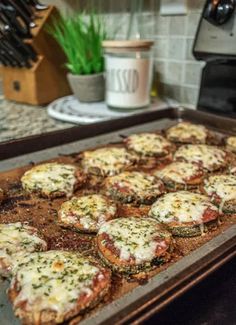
[26, 8]
[15, 40]
[29, 9]
[11, 61]
[7, 21]
[9, 14]
[4, 61]
[15, 53]
[27, 19]
[37, 5]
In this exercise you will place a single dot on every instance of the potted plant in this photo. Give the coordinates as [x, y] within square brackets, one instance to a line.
[80, 36]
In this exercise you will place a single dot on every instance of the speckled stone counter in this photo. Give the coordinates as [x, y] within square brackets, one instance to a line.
[17, 120]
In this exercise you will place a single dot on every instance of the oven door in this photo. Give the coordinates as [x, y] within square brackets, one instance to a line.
[218, 88]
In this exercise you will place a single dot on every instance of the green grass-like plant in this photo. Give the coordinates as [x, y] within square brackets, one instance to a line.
[80, 36]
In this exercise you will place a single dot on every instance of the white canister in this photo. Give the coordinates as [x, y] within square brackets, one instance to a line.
[129, 67]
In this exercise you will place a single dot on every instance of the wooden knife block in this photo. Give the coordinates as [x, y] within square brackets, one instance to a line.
[46, 80]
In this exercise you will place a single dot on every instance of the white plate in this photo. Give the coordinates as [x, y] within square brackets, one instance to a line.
[69, 109]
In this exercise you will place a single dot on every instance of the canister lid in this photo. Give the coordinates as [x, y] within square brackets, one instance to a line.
[132, 45]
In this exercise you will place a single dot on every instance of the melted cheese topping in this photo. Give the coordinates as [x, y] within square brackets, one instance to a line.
[90, 210]
[231, 143]
[17, 239]
[181, 207]
[178, 172]
[137, 183]
[54, 280]
[135, 237]
[184, 130]
[223, 186]
[207, 156]
[49, 178]
[108, 160]
[233, 170]
[148, 144]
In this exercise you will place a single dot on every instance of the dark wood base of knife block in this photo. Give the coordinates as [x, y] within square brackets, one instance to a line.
[46, 80]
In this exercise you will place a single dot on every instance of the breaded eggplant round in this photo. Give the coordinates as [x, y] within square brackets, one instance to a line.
[181, 175]
[222, 191]
[53, 180]
[106, 161]
[2, 195]
[136, 187]
[16, 239]
[210, 158]
[186, 132]
[52, 287]
[86, 213]
[148, 145]
[131, 245]
[184, 213]
[231, 144]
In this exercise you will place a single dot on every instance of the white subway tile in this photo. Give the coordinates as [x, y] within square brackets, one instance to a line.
[188, 50]
[177, 25]
[176, 48]
[192, 23]
[189, 95]
[174, 73]
[162, 25]
[192, 73]
[161, 48]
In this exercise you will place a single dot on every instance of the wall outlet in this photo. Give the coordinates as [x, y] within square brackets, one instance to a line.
[173, 7]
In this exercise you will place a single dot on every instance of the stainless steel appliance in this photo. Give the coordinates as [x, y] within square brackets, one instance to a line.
[215, 43]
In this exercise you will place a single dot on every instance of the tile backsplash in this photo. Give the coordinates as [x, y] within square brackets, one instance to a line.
[178, 72]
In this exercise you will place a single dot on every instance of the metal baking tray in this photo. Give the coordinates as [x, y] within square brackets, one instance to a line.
[145, 300]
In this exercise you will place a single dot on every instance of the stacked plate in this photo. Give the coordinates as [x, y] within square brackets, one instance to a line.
[69, 109]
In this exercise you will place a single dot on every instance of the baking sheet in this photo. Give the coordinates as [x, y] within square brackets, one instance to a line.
[140, 297]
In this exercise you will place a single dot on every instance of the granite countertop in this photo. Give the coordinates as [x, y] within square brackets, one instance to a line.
[18, 120]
